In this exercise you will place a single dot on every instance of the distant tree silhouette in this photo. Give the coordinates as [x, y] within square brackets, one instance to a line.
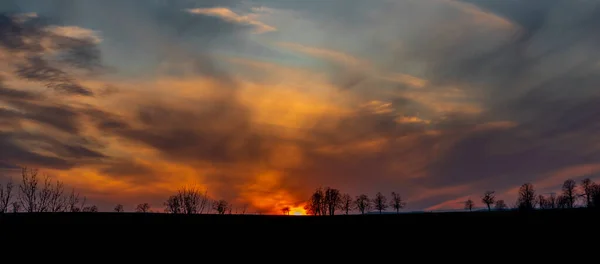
[488, 199]
[90, 209]
[380, 202]
[542, 202]
[363, 203]
[28, 189]
[6, 193]
[73, 202]
[142, 208]
[562, 202]
[188, 200]
[58, 201]
[551, 201]
[500, 205]
[220, 206]
[587, 189]
[396, 202]
[173, 205]
[16, 207]
[595, 196]
[346, 204]
[569, 192]
[286, 210]
[119, 208]
[526, 199]
[333, 200]
[469, 204]
[315, 205]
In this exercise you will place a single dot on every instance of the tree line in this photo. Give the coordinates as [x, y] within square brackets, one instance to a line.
[327, 201]
[40, 194]
[36, 193]
[588, 192]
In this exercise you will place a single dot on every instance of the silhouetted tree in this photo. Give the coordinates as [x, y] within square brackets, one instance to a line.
[44, 195]
[562, 202]
[316, 204]
[469, 204]
[542, 202]
[286, 210]
[119, 208]
[28, 189]
[173, 205]
[397, 203]
[363, 203]
[500, 205]
[551, 201]
[596, 196]
[73, 201]
[5, 196]
[346, 204]
[587, 189]
[58, 202]
[526, 200]
[90, 209]
[569, 192]
[488, 199]
[16, 207]
[142, 208]
[333, 200]
[380, 202]
[220, 206]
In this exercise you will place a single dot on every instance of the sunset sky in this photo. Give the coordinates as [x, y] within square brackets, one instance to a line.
[261, 102]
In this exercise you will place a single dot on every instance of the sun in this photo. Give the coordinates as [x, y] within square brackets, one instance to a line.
[297, 211]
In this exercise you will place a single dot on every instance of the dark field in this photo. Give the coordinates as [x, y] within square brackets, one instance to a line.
[434, 220]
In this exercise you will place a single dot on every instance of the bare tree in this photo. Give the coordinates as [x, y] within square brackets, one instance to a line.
[500, 205]
[397, 203]
[569, 192]
[380, 202]
[119, 208]
[469, 204]
[44, 195]
[595, 195]
[58, 202]
[286, 210]
[244, 209]
[363, 203]
[488, 199]
[542, 202]
[16, 207]
[73, 201]
[333, 200]
[551, 201]
[526, 200]
[5, 196]
[562, 202]
[173, 205]
[142, 208]
[315, 205]
[587, 189]
[220, 206]
[346, 203]
[28, 189]
[90, 209]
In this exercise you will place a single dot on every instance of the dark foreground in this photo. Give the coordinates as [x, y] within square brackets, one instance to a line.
[440, 220]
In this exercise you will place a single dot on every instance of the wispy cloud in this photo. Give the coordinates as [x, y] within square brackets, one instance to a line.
[230, 16]
[76, 32]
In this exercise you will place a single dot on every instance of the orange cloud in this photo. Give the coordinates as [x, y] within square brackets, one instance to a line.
[228, 15]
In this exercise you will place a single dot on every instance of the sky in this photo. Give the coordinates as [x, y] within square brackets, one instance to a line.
[262, 102]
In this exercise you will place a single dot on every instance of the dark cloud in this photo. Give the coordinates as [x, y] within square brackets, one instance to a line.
[26, 37]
